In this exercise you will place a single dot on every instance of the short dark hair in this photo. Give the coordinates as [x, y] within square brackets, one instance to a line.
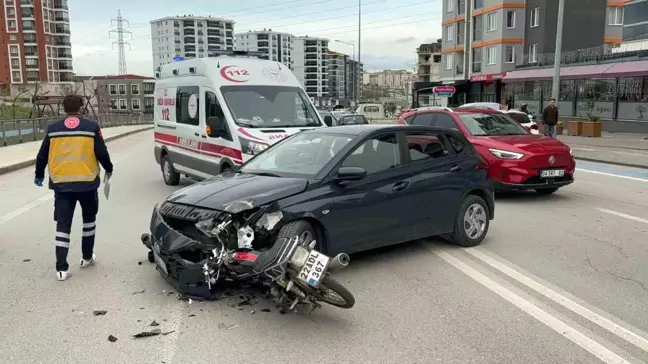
[552, 99]
[72, 104]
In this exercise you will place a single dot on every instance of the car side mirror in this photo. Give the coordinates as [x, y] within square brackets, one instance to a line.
[328, 120]
[216, 127]
[350, 174]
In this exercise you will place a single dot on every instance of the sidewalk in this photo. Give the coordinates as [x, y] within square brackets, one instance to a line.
[615, 148]
[20, 156]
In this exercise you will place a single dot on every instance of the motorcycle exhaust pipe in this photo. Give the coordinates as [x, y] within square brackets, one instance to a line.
[339, 262]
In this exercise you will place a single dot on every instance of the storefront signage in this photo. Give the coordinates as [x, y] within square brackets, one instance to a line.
[444, 91]
[488, 77]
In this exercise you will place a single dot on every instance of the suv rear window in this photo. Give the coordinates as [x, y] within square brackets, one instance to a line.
[519, 117]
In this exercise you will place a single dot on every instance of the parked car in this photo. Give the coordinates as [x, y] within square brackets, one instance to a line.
[517, 159]
[352, 188]
[490, 105]
[329, 118]
[352, 119]
[524, 119]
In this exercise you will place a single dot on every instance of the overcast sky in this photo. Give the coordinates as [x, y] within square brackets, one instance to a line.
[391, 29]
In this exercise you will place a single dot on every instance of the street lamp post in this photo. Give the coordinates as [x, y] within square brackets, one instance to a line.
[355, 74]
[555, 90]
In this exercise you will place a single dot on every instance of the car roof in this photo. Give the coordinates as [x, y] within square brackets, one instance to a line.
[363, 129]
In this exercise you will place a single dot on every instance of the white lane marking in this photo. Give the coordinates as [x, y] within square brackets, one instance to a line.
[620, 214]
[593, 347]
[12, 215]
[585, 149]
[613, 175]
[603, 322]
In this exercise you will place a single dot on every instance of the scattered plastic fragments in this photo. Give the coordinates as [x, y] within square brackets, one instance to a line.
[99, 312]
[138, 292]
[168, 332]
[154, 332]
[154, 323]
[111, 338]
[266, 310]
[224, 326]
[26, 260]
[192, 315]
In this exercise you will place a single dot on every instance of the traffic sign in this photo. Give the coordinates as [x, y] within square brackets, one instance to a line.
[445, 91]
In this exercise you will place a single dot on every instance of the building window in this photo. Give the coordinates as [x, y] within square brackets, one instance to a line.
[13, 50]
[450, 5]
[136, 104]
[535, 18]
[122, 89]
[510, 19]
[509, 54]
[449, 32]
[533, 52]
[113, 104]
[123, 104]
[491, 22]
[11, 24]
[477, 60]
[615, 16]
[113, 89]
[15, 75]
[491, 55]
[478, 4]
[449, 61]
[13, 36]
[478, 28]
[135, 89]
[461, 7]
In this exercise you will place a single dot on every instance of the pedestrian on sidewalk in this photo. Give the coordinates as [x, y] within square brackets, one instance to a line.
[550, 119]
[72, 150]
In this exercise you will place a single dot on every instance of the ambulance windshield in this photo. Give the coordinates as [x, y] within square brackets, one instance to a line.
[270, 106]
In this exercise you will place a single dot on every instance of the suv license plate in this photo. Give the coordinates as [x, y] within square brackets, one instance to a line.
[313, 271]
[552, 173]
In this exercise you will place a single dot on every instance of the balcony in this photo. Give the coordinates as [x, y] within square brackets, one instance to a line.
[31, 65]
[64, 54]
[190, 40]
[61, 4]
[213, 24]
[27, 2]
[213, 33]
[62, 30]
[188, 24]
[311, 50]
[228, 26]
[189, 32]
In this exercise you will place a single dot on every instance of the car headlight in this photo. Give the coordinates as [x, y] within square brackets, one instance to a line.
[251, 147]
[571, 152]
[207, 227]
[505, 154]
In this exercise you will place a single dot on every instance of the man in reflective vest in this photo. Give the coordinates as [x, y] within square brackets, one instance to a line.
[72, 150]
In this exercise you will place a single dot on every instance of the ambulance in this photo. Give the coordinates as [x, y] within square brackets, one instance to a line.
[213, 114]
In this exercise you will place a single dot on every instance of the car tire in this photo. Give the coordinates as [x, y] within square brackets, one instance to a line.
[169, 174]
[546, 191]
[301, 228]
[226, 168]
[460, 235]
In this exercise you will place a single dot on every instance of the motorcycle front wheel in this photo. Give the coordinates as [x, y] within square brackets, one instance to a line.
[334, 293]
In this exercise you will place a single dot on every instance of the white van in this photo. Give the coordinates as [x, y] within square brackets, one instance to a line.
[213, 114]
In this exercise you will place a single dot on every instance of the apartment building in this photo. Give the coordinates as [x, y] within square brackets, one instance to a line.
[189, 36]
[345, 78]
[276, 45]
[310, 64]
[502, 34]
[634, 19]
[394, 79]
[37, 41]
[124, 93]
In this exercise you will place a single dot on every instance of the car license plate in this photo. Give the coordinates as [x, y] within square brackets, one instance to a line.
[552, 173]
[158, 260]
[313, 271]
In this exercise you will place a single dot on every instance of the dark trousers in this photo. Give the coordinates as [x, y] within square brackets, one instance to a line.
[64, 205]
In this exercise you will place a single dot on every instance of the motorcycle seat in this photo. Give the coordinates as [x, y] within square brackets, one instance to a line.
[273, 256]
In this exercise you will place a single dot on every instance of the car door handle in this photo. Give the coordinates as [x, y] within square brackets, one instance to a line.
[400, 186]
[455, 168]
[196, 134]
[203, 135]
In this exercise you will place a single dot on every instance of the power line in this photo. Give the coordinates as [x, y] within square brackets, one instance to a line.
[120, 40]
[384, 26]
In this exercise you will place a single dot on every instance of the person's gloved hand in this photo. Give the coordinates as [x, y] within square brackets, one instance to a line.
[38, 182]
[109, 175]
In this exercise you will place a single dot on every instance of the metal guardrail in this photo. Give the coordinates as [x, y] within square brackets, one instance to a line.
[28, 130]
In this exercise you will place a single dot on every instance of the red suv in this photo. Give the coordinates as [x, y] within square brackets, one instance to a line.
[517, 160]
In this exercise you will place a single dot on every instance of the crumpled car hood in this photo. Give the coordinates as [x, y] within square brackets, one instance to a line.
[238, 192]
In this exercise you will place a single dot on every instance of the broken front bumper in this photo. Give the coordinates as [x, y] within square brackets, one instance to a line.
[185, 276]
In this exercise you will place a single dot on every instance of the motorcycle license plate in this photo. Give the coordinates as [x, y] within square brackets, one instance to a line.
[313, 271]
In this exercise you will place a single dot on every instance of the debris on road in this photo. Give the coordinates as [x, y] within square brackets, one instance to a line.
[192, 315]
[26, 260]
[99, 312]
[266, 310]
[224, 326]
[111, 338]
[168, 332]
[154, 323]
[252, 312]
[154, 332]
[138, 292]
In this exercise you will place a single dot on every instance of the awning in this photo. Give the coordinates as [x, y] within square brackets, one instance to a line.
[628, 69]
[533, 74]
[589, 71]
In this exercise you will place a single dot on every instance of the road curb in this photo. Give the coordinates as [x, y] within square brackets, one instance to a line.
[613, 163]
[29, 163]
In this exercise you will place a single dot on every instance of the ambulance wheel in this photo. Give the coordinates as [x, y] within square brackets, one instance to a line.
[171, 177]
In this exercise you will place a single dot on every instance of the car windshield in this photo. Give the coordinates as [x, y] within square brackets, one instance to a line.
[520, 117]
[352, 119]
[270, 106]
[491, 124]
[303, 155]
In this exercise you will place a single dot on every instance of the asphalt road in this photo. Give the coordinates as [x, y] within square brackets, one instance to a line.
[560, 279]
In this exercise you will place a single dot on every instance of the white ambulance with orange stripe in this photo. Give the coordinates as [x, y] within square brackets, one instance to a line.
[213, 114]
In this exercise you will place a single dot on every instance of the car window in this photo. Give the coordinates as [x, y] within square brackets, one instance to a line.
[425, 119]
[409, 119]
[353, 120]
[375, 155]
[445, 121]
[458, 144]
[214, 109]
[425, 146]
[187, 105]
[519, 117]
[491, 124]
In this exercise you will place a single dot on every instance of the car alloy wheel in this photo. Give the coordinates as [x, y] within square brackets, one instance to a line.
[475, 221]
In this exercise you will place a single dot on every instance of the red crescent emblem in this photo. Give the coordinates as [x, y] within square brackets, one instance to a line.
[224, 74]
[71, 122]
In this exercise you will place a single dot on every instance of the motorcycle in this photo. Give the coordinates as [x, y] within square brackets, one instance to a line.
[293, 271]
